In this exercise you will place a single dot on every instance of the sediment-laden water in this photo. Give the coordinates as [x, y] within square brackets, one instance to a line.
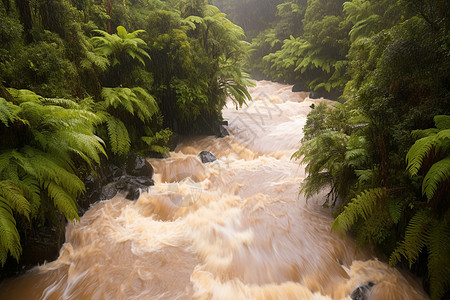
[231, 229]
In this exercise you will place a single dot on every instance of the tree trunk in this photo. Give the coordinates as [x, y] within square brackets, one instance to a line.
[23, 6]
[109, 11]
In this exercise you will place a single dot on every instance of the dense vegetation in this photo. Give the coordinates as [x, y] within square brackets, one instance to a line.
[383, 152]
[85, 81]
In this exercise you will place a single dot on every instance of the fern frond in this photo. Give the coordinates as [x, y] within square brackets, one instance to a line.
[118, 136]
[13, 196]
[361, 206]
[65, 202]
[418, 152]
[395, 211]
[8, 112]
[438, 173]
[47, 168]
[66, 103]
[442, 122]
[416, 237]
[9, 236]
[439, 259]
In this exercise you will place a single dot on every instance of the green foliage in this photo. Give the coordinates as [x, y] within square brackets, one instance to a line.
[65, 50]
[114, 46]
[43, 142]
[434, 144]
[396, 65]
[119, 139]
[118, 108]
[361, 206]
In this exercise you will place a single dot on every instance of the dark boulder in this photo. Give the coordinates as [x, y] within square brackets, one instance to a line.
[41, 243]
[113, 172]
[362, 292]
[133, 186]
[300, 87]
[108, 192]
[138, 166]
[222, 132]
[323, 93]
[206, 157]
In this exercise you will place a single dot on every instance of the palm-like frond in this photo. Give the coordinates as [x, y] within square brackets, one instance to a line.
[112, 45]
[59, 131]
[9, 236]
[135, 101]
[13, 196]
[8, 112]
[118, 136]
[434, 141]
[361, 206]
[416, 237]
[438, 173]
[439, 259]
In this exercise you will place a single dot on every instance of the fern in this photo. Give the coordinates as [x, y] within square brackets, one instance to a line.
[395, 211]
[65, 202]
[442, 122]
[60, 131]
[13, 196]
[437, 141]
[112, 46]
[416, 237]
[439, 259]
[9, 236]
[438, 173]
[118, 136]
[134, 101]
[8, 112]
[361, 206]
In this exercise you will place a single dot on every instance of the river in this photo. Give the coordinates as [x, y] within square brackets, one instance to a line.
[232, 229]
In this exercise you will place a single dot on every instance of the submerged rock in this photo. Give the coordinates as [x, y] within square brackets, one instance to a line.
[362, 292]
[133, 186]
[222, 132]
[207, 157]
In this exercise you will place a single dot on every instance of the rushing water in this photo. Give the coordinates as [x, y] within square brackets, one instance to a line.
[231, 229]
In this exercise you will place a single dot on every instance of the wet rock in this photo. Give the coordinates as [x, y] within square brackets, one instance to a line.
[133, 186]
[300, 87]
[39, 244]
[206, 157]
[323, 93]
[113, 172]
[138, 166]
[92, 187]
[108, 192]
[222, 132]
[362, 292]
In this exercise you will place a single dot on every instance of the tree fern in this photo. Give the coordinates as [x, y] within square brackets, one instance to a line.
[43, 166]
[435, 141]
[7, 112]
[113, 45]
[13, 196]
[65, 202]
[416, 237]
[361, 206]
[438, 173]
[439, 259]
[118, 136]
[9, 236]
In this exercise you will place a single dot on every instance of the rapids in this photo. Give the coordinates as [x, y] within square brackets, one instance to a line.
[232, 229]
